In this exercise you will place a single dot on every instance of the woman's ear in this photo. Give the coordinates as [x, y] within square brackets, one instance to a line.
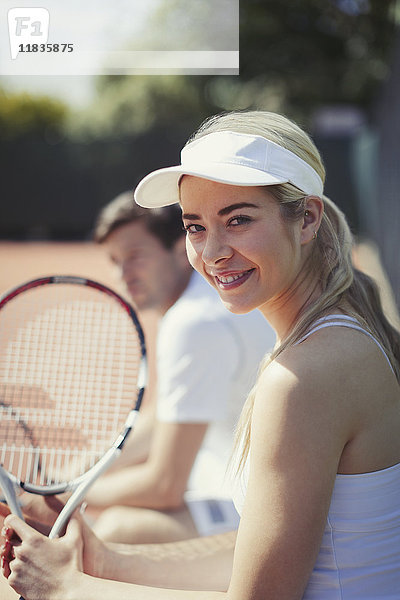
[313, 211]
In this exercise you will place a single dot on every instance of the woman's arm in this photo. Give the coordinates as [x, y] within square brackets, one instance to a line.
[203, 563]
[300, 426]
[43, 569]
[93, 589]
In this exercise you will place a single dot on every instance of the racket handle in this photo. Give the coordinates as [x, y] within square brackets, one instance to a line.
[8, 490]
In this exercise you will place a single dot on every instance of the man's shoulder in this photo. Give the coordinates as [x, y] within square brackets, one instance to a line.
[199, 302]
[196, 318]
[200, 312]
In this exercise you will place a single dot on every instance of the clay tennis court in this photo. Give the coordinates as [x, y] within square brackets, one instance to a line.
[21, 261]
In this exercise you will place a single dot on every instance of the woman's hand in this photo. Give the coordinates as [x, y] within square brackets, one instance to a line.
[39, 568]
[41, 512]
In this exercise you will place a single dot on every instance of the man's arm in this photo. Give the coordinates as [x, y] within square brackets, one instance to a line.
[161, 481]
[192, 393]
[137, 447]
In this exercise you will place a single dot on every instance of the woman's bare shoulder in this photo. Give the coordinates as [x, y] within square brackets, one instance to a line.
[337, 356]
[337, 380]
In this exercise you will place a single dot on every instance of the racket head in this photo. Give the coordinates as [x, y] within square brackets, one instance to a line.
[72, 370]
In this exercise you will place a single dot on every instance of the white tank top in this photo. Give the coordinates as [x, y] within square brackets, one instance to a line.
[359, 557]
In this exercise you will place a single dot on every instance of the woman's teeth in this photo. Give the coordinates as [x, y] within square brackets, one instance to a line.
[230, 278]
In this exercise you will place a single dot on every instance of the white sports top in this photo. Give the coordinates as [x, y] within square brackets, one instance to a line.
[359, 557]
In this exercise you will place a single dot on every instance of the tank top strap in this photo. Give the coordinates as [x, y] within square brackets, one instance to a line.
[342, 321]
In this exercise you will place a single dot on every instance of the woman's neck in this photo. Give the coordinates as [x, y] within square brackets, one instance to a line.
[285, 311]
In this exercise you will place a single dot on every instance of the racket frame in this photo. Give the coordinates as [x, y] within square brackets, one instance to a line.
[80, 485]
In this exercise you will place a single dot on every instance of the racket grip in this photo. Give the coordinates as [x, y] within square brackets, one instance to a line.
[8, 490]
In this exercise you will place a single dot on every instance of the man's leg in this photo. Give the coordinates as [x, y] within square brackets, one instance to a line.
[131, 525]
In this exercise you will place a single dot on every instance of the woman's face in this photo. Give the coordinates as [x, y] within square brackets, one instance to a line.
[238, 241]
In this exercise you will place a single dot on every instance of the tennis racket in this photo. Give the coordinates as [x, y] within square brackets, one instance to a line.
[72, 376]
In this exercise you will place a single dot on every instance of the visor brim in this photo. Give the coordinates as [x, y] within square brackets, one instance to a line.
[161, 187]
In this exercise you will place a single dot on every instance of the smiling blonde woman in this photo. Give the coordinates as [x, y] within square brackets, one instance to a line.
[319, 451]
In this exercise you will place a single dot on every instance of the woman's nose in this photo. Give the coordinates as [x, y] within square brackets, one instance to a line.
[215, 249]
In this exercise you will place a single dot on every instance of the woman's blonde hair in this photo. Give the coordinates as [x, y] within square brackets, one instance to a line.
[330, 259]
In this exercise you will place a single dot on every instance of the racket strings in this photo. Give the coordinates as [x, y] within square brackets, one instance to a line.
[69, 367]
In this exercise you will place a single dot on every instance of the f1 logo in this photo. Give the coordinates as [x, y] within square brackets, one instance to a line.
[27, 25]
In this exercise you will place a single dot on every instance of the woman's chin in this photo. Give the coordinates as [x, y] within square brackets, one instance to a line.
[237, 308]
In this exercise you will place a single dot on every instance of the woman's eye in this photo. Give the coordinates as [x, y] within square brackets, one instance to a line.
[194, 228]
[239, 220]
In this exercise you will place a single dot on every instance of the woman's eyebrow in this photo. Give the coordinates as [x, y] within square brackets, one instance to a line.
[224, 211]
[227, 209]
[190, 217]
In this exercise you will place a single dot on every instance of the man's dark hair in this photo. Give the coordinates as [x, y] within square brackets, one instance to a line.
[164, 223]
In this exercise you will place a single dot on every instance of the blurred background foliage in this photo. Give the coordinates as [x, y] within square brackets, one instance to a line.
[22, 115]
[333, 66]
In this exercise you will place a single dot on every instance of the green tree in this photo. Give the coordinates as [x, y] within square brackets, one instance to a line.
[295, 55]
[308, 53]
[23, 115]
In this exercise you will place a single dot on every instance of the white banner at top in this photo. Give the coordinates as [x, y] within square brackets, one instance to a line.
[100, 37]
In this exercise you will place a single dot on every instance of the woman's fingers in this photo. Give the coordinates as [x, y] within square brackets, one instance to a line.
[7, 555]
[10, 541]
[14, 525]
[4, 510]
[37, 566]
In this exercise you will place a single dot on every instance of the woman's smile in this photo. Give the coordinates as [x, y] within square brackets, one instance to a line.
[229, 281]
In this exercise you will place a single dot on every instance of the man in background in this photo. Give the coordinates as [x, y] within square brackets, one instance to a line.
[171, 483]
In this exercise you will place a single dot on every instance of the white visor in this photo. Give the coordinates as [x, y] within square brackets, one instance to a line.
[231, 158]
